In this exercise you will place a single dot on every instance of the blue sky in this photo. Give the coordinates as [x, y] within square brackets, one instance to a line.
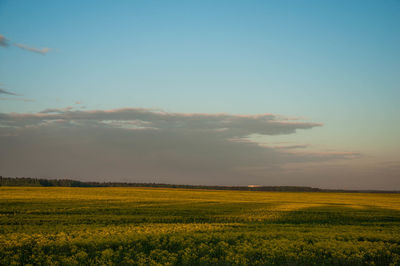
[335, 63]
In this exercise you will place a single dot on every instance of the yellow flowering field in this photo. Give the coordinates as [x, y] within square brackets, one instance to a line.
[165, 226]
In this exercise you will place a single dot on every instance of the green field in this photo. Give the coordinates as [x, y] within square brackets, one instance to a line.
[149, 226]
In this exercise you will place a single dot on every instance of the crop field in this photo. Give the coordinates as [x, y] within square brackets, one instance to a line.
[153, 226]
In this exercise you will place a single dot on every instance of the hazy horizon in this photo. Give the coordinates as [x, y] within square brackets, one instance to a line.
[275, 93]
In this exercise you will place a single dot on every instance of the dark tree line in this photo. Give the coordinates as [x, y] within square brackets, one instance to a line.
[41, 182]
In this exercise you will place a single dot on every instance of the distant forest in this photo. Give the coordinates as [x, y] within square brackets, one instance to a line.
[41, 182]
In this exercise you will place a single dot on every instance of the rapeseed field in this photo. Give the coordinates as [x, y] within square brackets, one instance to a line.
[153, 226]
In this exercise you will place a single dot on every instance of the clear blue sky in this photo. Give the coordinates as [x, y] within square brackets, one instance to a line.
[335, 62]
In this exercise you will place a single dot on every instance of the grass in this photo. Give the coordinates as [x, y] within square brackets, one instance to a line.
[150, 226]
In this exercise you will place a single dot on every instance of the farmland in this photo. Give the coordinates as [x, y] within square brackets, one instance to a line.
[163, 226]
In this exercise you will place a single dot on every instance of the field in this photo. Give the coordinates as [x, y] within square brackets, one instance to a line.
[153, 226]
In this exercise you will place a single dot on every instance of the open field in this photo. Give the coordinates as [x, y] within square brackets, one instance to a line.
[149, 226]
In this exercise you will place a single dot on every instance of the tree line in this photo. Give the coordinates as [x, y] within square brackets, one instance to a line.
[42, 182]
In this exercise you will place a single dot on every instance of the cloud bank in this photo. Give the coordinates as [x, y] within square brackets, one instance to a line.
[225, 125]
[145, 145]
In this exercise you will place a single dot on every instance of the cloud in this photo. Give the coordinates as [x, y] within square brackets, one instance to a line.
[42, 51]
[146, 145]
[3, 91]
[290, 147]
[4, 42]
[17, 99]
[56, 110]
[226, 125]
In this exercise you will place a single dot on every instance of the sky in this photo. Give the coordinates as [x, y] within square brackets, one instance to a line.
[302, 93]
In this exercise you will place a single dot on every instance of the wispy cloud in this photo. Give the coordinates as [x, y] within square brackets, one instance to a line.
[42, 51]
[290, 147]
[56, 110]
[3, 91]
[4, 42]
[17, 99]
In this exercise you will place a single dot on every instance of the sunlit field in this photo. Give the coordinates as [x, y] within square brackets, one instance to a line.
[149, 226]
